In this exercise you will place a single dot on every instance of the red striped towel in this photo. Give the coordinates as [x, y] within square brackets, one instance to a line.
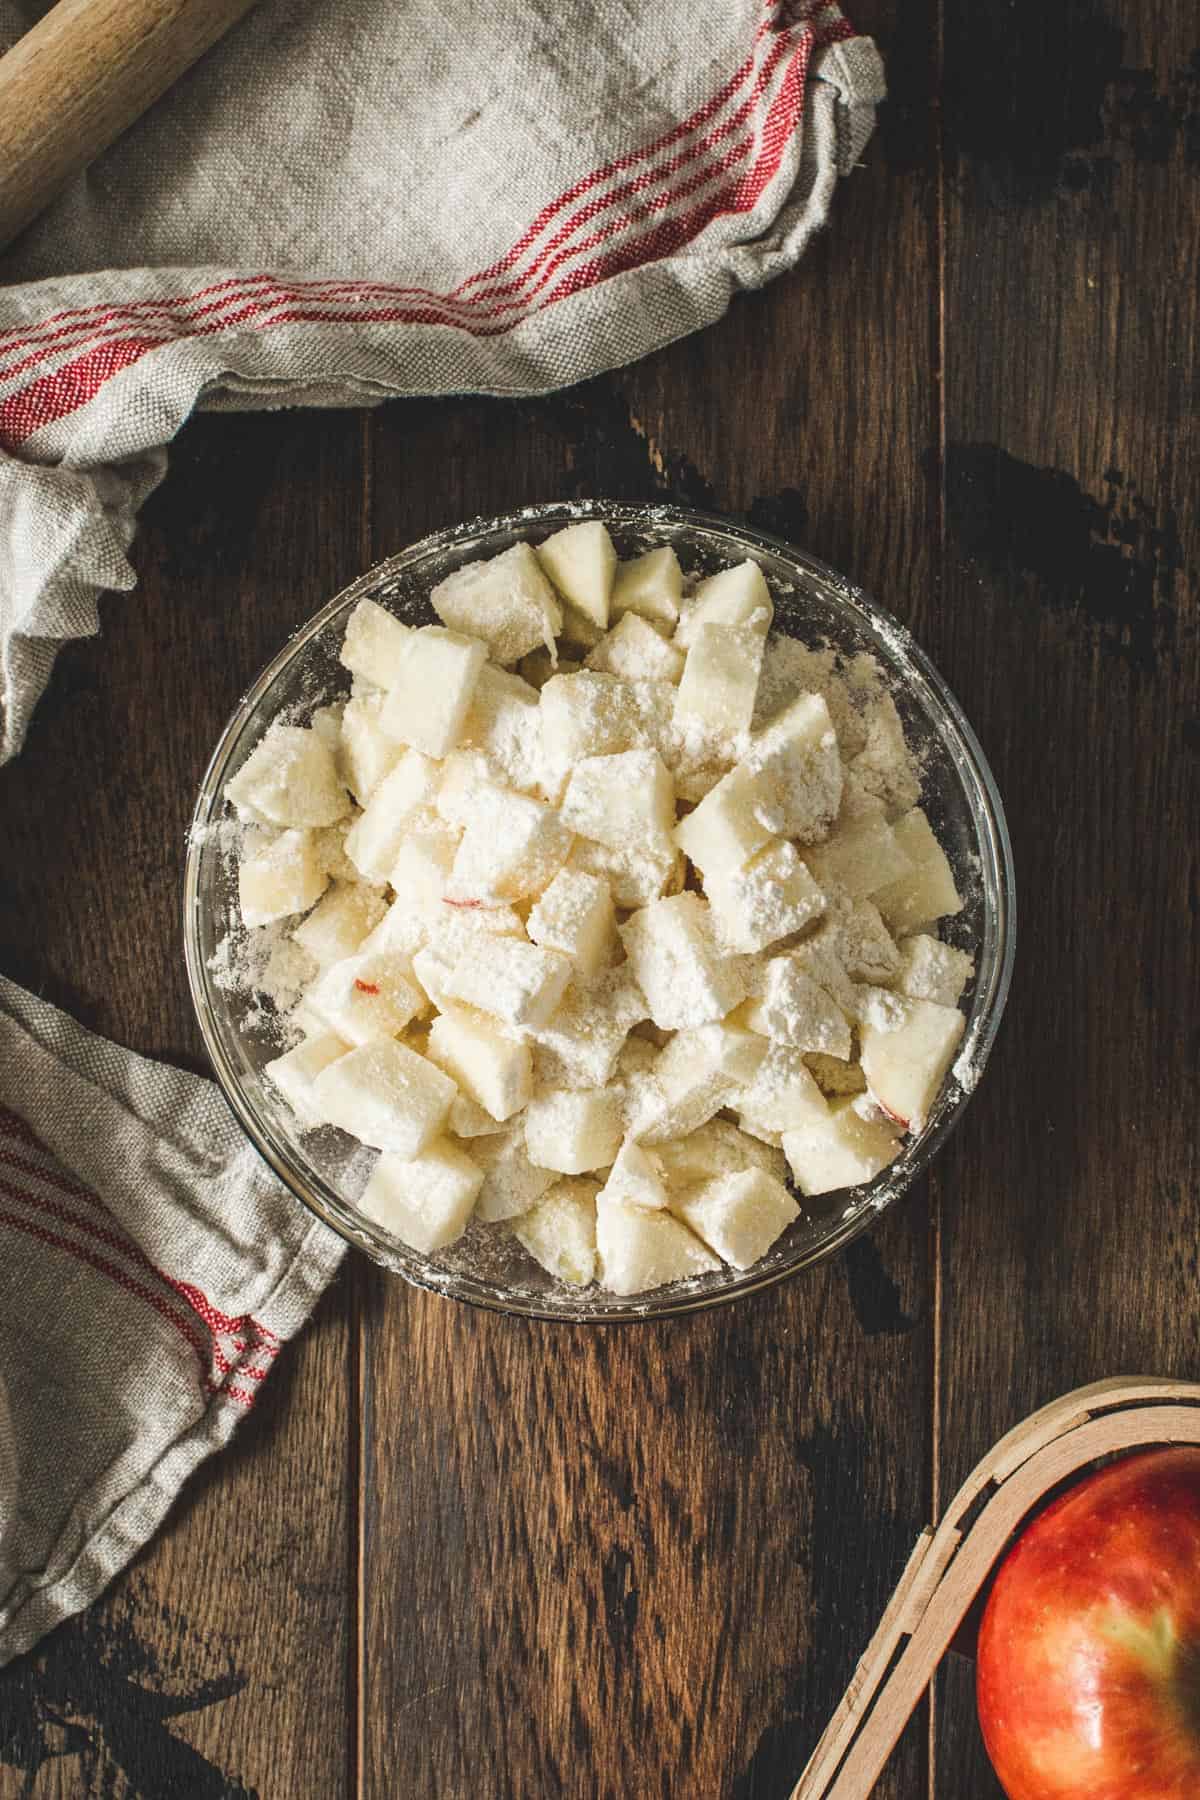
[335, 207]
[150, 1270]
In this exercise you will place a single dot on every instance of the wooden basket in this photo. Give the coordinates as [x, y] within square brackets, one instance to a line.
[949, 1567]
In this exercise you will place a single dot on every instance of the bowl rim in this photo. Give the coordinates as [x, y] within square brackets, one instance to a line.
[988, 818]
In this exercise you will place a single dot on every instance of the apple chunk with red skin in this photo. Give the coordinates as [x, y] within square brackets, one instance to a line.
[1088, 1664]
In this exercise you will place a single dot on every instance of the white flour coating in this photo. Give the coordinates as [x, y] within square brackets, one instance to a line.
[269, 973]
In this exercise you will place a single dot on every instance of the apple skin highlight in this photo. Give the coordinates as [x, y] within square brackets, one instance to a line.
[1088, 1661]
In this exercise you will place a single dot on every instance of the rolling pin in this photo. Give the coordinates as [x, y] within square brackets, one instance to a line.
[80, 77]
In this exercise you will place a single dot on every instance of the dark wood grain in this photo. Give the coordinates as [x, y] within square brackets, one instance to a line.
[220, 1663]
[1071, 1211]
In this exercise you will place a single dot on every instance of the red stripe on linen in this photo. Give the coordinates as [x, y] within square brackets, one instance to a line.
[12, 1126]
[65, 1216]
[52, 397]
[122, 1279]
[25, 335]
[621, 164]
[42, 348]
[265, 1340]
[120, 1276]
[104, 1230]
[29, 334]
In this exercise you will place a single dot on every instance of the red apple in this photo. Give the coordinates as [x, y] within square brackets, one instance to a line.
[1088, 1664]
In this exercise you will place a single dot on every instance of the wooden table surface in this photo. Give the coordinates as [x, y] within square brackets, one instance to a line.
[459, 1555]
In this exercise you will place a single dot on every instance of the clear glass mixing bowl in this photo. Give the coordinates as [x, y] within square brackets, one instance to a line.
[327, 1170]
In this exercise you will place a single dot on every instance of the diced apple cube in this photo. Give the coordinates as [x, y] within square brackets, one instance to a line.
[718, 1147]
[466, 776]
[429, 699]
[698, 1072]
[737, 596]
[367, 753]
[636, 652]
[635, 874]
[861, 855]
[640, 1248]
[326, 721]
[581, 562]
[820, 956]
[868, 952]
[497, 1072]
[879, 1008]
[289, 779]
[738, 1216]
[573, 1130]
[584, 715]
[559, 1232]
[783, 1096]
[797, 771]
[520, 983]
[507, 601]
[625, 798]
[374, 644]
[926, 890]
[767, 898]
[432, 970]
[426, 1200]
[467, 1119]
[723, 832]
[681, 971]
[638, 1091]
[365, 997]
[720, 678]
[511, 1183]
[294, 1073]
[424, 862]
[455, 927]
[636, 1177]
[791, 1008]
[403, 930]
[374, 840]
[580, 1045]
[650, 586]
[905, 1064]
[505, 725]
[838, 1150]
[338, 923]
[385, 1095]
[280, 878]
[575, 916]
[512, 849]
[930, 970]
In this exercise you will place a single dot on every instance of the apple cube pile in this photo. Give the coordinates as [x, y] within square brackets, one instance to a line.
[599, 957]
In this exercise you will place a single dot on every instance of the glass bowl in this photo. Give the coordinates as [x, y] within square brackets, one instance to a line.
[327, 1170]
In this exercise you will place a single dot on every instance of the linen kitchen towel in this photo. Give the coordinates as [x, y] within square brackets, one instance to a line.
[338, 204]
[151, 1267]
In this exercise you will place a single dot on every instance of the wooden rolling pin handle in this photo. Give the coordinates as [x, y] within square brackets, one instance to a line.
[80, 77]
